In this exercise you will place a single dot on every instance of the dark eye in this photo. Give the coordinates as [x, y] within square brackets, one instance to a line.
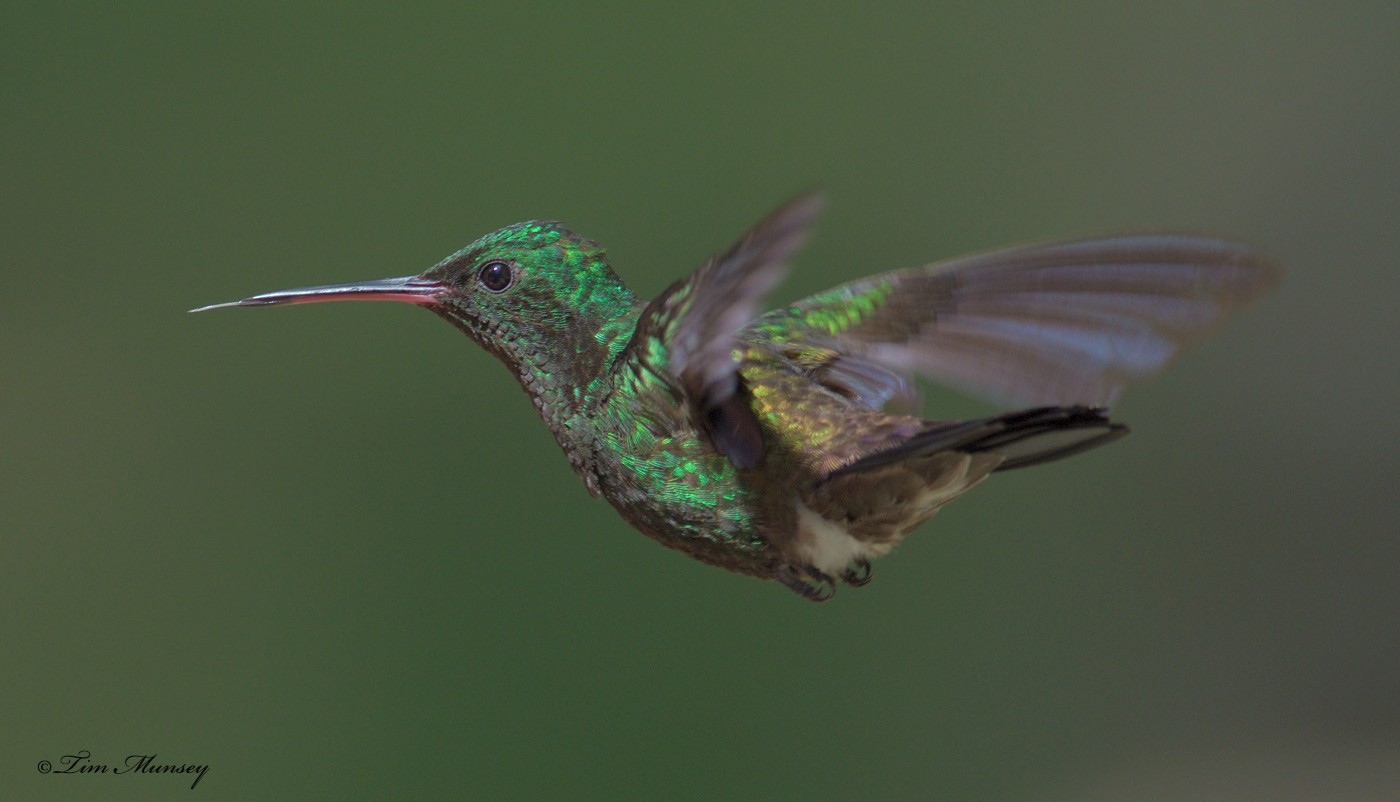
[495, 276]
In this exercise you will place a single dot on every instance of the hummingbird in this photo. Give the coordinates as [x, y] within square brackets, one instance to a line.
[788, 445]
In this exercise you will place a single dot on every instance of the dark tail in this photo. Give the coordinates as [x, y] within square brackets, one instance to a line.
[1026, 438]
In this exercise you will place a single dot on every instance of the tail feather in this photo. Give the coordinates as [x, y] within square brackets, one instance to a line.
[1026, 438]
[1054, 433]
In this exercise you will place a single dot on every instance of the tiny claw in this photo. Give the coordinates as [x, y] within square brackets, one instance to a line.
[858, 574]
[806, 581]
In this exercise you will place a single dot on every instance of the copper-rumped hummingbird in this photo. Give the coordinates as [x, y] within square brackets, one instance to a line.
[785, 445]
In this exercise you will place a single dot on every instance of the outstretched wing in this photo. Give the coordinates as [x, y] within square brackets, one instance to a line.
[1064, 323]
[688, 334]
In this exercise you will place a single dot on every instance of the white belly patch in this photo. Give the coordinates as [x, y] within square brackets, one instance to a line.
[828, 547]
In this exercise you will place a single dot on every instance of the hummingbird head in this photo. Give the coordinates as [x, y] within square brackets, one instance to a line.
[531, 285]
[526, 292]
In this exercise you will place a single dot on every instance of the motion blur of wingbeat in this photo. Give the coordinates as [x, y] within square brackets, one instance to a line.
[330, 552]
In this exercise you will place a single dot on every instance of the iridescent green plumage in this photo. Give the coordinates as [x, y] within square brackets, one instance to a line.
[769, 444]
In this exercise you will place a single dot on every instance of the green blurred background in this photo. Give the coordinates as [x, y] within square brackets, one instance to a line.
[332, 553]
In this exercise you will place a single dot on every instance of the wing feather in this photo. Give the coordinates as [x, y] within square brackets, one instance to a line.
[689, 333]
[1061, 323]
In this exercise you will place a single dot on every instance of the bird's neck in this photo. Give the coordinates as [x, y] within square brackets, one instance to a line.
[569, 379]
[566, 371]
[564, 362]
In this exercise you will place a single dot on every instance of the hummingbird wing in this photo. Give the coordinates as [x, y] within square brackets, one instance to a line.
[689, 333]
[1060, 323]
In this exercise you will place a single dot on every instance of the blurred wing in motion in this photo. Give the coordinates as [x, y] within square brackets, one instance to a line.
[688, 334]
[1064, 323]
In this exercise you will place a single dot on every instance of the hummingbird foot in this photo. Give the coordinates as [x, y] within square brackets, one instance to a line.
[806, 581]
[857, 574]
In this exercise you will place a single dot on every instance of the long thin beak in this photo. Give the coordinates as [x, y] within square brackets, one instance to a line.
[410, 289]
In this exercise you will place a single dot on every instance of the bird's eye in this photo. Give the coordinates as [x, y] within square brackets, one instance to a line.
[495, 276]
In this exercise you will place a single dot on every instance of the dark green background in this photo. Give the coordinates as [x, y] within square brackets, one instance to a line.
[331, 551]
